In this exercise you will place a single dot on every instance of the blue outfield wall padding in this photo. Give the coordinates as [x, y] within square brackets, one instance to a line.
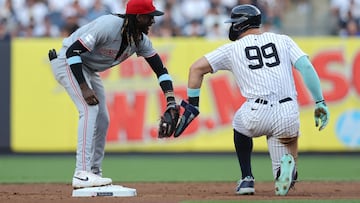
[5, 64]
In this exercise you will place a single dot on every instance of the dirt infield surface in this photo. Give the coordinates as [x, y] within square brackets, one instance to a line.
[177, 192]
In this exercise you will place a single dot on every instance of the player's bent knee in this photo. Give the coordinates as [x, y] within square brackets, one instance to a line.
[292, 144]
[288, 140]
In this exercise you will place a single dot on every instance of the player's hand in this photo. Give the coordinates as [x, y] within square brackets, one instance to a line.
[188, 116]
[321, 114]
[169, 120]
[52, 54]
[89, 94]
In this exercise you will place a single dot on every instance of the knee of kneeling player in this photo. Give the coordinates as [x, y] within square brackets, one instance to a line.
[288, 140]
[292, 144]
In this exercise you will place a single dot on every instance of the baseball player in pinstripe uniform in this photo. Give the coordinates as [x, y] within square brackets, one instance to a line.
[262, 66]
[96, 47]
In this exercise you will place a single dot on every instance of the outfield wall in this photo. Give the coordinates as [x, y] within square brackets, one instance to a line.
[5, 49]
[43, 118]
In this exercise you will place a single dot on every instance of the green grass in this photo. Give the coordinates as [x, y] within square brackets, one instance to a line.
[172, 168]
[169, 168]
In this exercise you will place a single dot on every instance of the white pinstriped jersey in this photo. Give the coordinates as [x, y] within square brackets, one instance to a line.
[261, 64]
[262, 67]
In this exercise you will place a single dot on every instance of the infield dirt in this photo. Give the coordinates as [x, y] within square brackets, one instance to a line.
[160, 192]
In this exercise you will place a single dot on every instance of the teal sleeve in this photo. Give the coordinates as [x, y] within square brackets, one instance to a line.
[310, 77]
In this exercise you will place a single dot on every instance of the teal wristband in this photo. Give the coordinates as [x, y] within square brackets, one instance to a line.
[164, 77]
[74, 60]
[193, 92]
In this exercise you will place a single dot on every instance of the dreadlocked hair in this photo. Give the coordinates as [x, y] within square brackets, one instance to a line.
[129, 30]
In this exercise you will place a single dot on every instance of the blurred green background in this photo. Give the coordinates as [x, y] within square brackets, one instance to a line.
[55, 168]
[174, 167]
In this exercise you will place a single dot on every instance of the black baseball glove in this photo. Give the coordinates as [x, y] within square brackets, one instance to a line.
[169, 120]
[52, 54]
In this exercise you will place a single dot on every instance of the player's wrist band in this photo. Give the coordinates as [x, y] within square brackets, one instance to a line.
[320, 101]
[164, 77]
[74, 60]
[193, 92]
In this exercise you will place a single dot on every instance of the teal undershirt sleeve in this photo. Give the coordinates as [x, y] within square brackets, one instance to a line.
[310, 77]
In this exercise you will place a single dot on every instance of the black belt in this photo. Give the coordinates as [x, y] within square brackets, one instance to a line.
[263, 101]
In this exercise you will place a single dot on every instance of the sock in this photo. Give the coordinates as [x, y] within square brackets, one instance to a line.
[243, 146]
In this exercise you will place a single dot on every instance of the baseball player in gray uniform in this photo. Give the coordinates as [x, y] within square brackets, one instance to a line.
[262, 67]
[93, 48]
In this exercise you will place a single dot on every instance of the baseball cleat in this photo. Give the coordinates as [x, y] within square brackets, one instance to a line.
[245, 186]
[96, 171]
[285, 179]
[84, 179]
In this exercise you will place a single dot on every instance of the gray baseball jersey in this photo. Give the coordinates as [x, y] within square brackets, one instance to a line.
[262, 67]
[102, 39]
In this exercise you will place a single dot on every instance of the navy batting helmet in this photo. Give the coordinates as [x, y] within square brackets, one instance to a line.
[243, 17]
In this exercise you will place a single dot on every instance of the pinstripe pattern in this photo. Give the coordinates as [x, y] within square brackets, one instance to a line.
[274, 82]
[262, 68]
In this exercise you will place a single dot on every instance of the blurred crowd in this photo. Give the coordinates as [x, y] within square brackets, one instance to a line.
[59, 18]
[347, 15]
[187, 18]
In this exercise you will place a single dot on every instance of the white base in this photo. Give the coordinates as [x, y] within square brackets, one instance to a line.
[108, 191]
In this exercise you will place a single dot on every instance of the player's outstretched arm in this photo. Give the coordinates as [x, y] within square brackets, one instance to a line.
[312, 82]
[191, 109]
[170, 117]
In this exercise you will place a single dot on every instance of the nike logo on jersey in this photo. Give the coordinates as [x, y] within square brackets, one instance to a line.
[252, 109]
[83, 179]
[77, 51]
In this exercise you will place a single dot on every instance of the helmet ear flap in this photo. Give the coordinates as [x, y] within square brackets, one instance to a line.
[236, 26]
[234, 33]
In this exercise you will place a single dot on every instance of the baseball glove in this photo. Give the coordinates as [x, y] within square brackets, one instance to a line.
[169, 120]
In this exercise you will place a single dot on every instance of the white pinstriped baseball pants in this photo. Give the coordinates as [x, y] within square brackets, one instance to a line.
[275, 121]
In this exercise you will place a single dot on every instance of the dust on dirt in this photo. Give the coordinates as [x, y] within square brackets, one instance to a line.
[175, 192]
